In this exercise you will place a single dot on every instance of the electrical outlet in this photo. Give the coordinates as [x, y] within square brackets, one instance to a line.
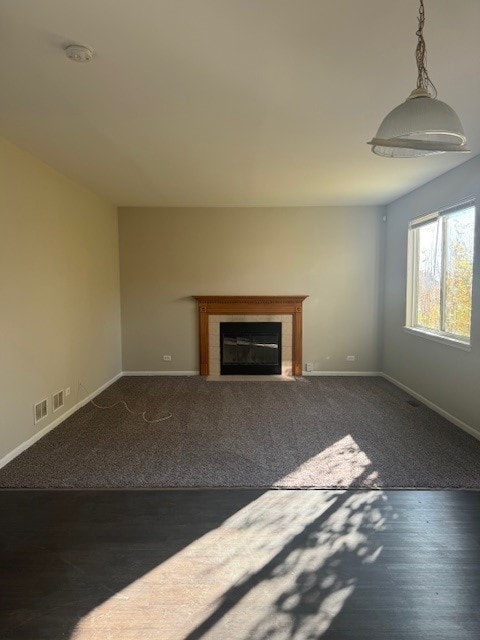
[308, 366]
[67, 391]
[351, 358]
[167, 358]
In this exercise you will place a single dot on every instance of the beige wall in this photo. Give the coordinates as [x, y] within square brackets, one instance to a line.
[330, 253]
[448, 377]
[59, 291]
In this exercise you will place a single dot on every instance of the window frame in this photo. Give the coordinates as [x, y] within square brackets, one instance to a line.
[411, 327]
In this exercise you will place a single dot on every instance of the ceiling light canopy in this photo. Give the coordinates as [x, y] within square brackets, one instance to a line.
[79, 53]
[422, 125]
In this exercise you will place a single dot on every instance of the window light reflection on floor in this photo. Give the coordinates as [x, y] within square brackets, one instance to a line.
[282, 567]
[344, 460]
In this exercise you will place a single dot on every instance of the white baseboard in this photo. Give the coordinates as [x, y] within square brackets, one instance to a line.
[456, 421]
[28, 443]
[161, 373]
[341, 373]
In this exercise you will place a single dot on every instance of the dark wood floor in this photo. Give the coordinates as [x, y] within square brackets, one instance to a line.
[240, 565]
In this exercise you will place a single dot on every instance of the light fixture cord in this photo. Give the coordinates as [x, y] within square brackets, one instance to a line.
[423, 79]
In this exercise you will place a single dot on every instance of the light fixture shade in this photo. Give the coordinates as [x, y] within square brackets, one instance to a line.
[420, 126]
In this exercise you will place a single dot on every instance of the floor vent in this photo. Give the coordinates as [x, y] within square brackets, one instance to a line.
[58, 401]
[40, 410]
[413, 403]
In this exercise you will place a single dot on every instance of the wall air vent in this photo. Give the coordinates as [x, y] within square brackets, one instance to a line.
[58, 400]
[40, 410]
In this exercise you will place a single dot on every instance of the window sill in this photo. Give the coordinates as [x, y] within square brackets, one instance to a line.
[450, 342]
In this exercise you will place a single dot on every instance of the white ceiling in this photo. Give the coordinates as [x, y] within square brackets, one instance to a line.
[231, 102]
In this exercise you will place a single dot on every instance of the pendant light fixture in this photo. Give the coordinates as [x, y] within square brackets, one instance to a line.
[422, 125]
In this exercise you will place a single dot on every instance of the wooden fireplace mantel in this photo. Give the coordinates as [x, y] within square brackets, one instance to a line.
[253, 305]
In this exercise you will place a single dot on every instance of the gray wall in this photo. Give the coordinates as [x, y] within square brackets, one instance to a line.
[445, 375]
[59, 292]
[331, 254]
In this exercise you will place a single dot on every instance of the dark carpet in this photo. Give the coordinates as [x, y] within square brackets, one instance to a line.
[336, 432]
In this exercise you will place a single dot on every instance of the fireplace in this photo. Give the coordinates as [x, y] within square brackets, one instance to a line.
[214, 310]
[249, 348]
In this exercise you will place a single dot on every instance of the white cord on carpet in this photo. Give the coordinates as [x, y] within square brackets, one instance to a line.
[167, 417]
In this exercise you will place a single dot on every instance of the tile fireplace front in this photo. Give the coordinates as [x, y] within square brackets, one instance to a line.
[214, 354]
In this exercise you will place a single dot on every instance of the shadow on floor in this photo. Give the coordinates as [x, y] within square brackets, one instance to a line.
[239, 565]
[129, 563]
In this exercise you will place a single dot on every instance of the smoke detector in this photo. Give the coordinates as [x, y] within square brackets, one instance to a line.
[78, 53]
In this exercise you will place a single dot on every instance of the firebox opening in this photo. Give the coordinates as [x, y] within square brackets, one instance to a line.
[250, 348]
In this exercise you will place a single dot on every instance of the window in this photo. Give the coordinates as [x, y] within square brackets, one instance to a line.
[439, 288]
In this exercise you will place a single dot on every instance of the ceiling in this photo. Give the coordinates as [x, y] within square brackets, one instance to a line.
[231, 102]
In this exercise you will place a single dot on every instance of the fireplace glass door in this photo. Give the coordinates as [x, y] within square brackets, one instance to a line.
[250, 348]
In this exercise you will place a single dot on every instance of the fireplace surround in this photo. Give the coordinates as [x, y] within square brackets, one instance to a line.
[214, 310]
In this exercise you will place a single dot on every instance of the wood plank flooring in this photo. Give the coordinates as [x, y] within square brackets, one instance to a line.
[240, 565]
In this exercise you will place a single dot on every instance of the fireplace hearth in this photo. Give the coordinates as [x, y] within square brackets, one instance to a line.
[250, 348]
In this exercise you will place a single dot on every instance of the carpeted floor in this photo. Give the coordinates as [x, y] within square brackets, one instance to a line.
[317, 432]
